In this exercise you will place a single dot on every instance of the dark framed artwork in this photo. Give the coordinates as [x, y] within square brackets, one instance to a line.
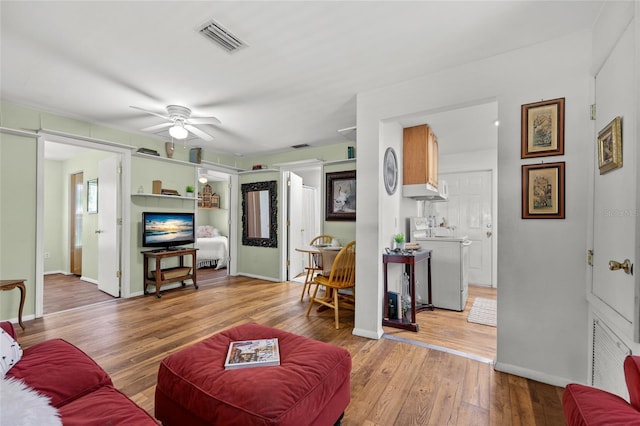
[340, 193]
[92, 196]
[542, 129]
[610, 146]
[543, 191]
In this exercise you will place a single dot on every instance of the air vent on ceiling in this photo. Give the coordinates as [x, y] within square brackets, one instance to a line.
[221, 36]
[302, 145]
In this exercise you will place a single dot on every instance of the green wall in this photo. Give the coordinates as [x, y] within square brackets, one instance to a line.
[17, 220]
[259, 261]
[54, 224]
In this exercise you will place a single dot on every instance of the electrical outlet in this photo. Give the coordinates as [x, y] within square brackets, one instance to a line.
[47, 255]
[163, 264]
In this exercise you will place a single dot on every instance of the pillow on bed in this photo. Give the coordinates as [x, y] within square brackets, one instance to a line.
[215, 232]
[205, 231]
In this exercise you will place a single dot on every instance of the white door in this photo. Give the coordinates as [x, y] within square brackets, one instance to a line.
[469, 212]
[295, 212]
[108, 229]
[615, 210]
[310, 224]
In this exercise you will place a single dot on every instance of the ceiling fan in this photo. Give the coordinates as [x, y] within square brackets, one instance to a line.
[180, 122]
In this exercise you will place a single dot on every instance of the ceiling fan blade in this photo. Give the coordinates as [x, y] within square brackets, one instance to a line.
[199, 133]
[204, 120]
[151, 112]
[157, 127]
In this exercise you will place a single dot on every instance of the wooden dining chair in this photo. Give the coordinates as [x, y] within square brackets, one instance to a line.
[342, 276]
[314, 262]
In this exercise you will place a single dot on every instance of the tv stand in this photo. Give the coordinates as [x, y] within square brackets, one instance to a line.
[160, 277]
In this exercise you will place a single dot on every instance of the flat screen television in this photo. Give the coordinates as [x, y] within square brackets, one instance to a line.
[168, 230]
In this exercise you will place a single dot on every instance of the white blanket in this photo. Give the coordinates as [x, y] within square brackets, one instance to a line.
[212, 251]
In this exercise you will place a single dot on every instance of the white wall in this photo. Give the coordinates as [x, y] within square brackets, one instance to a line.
[541, 302]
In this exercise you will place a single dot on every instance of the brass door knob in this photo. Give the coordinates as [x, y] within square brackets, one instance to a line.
[626, 266]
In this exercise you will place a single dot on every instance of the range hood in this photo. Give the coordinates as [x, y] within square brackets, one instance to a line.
[425, 191]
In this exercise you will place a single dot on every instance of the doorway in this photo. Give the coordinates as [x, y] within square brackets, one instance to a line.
[72, 236]
[303, 218]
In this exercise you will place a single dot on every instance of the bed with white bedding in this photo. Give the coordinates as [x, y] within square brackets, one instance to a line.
[213, 248]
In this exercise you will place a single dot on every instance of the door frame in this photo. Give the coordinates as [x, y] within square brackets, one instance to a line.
[73, 222]
[125, 209]
[313, 166]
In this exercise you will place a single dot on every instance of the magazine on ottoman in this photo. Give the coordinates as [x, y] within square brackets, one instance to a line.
[252, 353]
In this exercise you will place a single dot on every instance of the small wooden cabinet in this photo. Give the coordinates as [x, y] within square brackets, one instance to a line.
[409, 261]
[420, 154]
[207, 199]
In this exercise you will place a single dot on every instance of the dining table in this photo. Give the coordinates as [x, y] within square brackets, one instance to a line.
[326, 255]
[326, 252]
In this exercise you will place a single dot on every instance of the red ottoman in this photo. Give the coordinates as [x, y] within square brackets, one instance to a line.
[311, 385]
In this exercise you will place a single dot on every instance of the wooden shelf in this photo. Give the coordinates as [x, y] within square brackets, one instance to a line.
[174, 197]
[346, 160]
[170, 160]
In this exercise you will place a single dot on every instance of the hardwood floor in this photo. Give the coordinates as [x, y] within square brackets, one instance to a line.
[392, 382]
[62, 292]
[451, 330]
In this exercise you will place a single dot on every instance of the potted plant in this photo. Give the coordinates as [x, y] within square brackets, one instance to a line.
[398, 240]
[190, 190]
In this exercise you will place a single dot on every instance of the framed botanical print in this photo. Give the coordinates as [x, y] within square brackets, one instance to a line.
[542, 129]
[543, 191]
[610, 146]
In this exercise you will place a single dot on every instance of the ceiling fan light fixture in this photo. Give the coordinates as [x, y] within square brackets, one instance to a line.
[177, 131]
[203, 180]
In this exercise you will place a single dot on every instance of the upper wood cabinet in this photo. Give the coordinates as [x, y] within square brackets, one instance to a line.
[420, 156]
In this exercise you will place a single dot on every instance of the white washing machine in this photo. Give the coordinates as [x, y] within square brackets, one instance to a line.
[449, 264]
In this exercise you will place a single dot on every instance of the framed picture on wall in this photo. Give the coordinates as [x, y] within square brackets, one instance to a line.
[340, 196]
[610, 146]
[92, 196]
[542, 129]
[543, 191]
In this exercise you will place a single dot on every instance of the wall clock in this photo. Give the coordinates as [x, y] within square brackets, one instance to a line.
[390, 171]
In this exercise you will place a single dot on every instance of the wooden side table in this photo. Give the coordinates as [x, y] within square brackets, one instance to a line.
[409, 261]
[10, 285]
[161, 276]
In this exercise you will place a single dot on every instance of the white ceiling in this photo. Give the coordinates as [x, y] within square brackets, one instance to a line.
[295, 83]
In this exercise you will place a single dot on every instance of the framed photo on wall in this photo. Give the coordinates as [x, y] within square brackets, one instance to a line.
[542, 129]
[610, 146]
[340, 193]
[543, 191]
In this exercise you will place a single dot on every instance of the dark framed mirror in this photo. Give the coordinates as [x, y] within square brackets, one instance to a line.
[260, 214]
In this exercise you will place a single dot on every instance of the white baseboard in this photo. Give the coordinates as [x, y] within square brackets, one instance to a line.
[532, 374]
[89, 280]
[15, 323]
[368, 333]
[56, 272]
[260, 277]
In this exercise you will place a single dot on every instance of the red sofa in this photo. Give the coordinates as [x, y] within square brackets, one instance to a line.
[78, 388]
[586, 405]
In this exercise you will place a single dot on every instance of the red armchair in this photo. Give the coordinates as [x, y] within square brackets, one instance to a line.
[586, 405]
